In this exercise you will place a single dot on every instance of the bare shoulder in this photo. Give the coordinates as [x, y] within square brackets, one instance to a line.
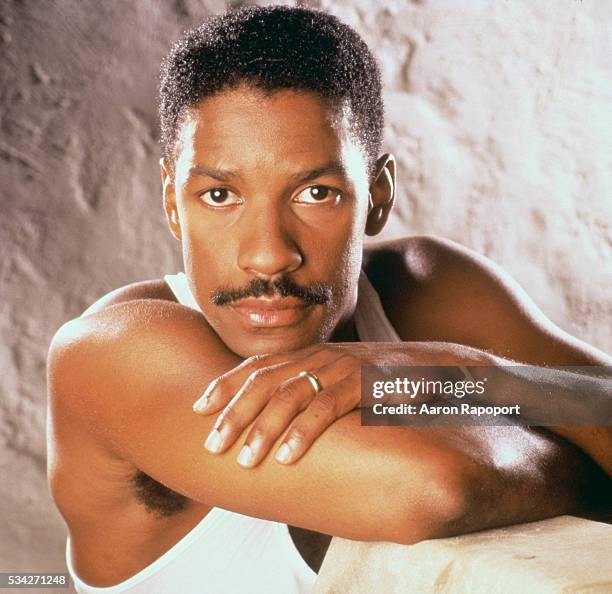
[420, 258]
[433, 288]
[148, 289]
[127, 339]
[131, 328]
[413, 254]
[109, 321]
[410, 269]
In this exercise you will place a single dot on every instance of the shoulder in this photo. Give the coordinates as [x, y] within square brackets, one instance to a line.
[418, 255]
[110, 323]
[148, 289]
[418, 267]
[435, 289]
[124, 333]
[127, 328]
[125, 338]
[419, 277]
[103, 369]
[414, 257]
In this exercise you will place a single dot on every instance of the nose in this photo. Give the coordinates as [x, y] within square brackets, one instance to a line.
[267, 246]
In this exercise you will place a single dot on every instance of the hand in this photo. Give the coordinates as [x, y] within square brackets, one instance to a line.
[270, 389]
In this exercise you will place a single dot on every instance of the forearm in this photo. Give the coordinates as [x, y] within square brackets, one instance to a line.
[434, 353]
[574, 403]
[547, 478]
[581, 398]
[555, 476]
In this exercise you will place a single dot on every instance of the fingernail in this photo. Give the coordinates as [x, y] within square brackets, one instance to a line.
[283, 453]
[245, 457]
[209, 389]
[201, 404]
[214, 442]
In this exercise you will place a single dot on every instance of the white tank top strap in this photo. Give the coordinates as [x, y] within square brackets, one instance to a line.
[180, 287]
[371, 322]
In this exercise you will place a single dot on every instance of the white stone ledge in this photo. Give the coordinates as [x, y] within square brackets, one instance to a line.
[562, 555]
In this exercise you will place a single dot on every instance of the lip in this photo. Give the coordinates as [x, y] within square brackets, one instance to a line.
[270, 312]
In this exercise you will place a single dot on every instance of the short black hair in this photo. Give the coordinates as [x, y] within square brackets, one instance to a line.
[274, 48]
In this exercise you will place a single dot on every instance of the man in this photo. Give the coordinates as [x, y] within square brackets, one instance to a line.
[271, 131]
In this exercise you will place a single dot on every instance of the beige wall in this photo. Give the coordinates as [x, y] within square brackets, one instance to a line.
[498, 111]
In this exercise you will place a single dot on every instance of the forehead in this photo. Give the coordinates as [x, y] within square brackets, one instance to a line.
[249, 130]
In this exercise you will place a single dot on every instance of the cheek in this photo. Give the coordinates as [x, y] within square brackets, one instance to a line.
[350, 251]
[204, 238]
[207, 254]
[347, 235]
[350, 265]
[338, 252]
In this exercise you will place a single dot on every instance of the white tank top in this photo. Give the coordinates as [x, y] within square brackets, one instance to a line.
[227, 552]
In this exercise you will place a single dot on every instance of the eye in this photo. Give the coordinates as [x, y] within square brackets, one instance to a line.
[318, 194]
[220, 197]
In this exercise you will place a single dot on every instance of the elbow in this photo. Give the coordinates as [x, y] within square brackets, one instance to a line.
[453, 502]
[442, 507]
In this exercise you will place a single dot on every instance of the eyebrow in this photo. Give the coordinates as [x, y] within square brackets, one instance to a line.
[331, 168]
[218, 174]
[225, 175]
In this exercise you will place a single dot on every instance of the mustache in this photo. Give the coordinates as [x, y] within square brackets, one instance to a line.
[313, 294]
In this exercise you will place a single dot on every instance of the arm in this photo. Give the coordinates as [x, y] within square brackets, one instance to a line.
[434, 289]
[130, 373]
[367, 483]
[565, 400]
[480, 305]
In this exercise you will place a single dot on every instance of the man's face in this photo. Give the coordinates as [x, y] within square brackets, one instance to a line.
[271, 195]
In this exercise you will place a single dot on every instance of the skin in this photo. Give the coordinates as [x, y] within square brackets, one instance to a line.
[252, 147]
[108, 418]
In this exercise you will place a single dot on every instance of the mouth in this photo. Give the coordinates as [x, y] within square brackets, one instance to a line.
[271, 312]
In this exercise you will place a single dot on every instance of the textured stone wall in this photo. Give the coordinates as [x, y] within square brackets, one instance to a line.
[499, 113]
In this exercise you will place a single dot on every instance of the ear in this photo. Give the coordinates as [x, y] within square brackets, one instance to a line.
[170, 199]
[382, 195]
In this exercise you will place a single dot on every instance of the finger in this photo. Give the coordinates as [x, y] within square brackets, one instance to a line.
[221, 390]
[288, 400]
[325, 408]
[238, 413]
[284, 391]
[252, 396]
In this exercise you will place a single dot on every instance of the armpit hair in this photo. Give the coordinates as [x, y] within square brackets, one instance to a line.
[157, 498]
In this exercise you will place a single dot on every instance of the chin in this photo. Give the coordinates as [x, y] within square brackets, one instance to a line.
[250, 345]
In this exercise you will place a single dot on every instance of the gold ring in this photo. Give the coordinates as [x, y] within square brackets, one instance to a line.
[313, 379]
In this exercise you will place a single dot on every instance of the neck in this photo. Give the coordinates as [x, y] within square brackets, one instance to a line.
[345, 332]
